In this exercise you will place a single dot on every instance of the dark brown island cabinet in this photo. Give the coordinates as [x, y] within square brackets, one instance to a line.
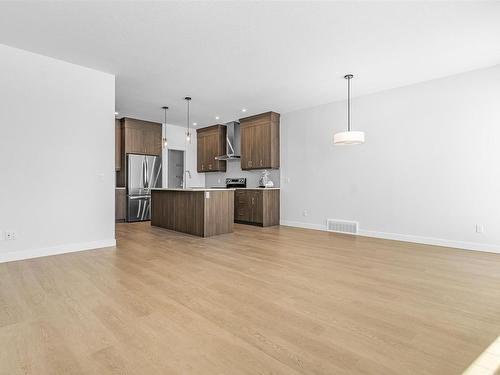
[200, 212]
[257, 206]
[211, 142]
[260, 144]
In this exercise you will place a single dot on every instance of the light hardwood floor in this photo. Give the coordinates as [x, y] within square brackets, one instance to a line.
[275, 300]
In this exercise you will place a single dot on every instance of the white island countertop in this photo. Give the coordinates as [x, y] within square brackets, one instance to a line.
[191, 189]
[248, 188]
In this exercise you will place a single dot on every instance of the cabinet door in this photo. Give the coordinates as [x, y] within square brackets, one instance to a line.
[242, 207]
[153, 140]
[256, 215]
[200, 152]
[263, 138]
[134, 141]
[246, 135]
[211, 150]
[120, 204]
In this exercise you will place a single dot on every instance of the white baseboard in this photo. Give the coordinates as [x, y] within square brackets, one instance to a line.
[55, 250]
[490, 248]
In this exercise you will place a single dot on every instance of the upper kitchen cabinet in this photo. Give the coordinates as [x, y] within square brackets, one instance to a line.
[260, 141]
[118, 144]
[211, 142]
[141, 137]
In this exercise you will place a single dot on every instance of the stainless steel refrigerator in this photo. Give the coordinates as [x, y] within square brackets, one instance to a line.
[143, 174]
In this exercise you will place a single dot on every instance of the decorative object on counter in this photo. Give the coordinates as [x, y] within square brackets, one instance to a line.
[264, 180]
[349, 137]
[188, 131]
[164, 139]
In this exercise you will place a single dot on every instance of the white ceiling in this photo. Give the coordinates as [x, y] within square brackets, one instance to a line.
[279, 56]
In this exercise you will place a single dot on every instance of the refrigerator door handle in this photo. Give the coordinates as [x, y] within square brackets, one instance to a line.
[144, 177]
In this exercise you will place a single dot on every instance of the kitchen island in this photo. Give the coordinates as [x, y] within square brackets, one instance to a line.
[200, 212]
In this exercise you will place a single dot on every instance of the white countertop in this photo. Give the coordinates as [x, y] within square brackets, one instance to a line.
[247, 188]
[193, 189]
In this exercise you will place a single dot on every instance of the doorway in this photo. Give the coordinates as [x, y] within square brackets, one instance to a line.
[175, 168]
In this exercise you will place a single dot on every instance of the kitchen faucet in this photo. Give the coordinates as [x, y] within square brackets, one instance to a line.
[186, 172]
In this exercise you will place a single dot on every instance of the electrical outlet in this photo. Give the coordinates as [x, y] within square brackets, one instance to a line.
[10, 235]
[479, 228]
[305, 213]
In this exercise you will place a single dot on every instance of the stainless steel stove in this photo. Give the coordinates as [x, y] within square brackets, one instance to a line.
[232, 183]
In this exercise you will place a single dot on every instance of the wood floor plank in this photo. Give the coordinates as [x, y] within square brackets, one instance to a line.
[274, 300]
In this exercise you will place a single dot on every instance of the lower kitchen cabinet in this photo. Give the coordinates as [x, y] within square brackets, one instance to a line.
[257, 206]
[120, 204]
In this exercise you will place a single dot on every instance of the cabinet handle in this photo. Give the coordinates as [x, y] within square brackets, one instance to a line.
[252, 200]
[202, 167]
[261, 162]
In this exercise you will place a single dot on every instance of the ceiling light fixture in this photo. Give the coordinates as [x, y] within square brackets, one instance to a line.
[164, 139]
[195, 123]
[116, 113]
[244, 110]
[188, 131]
[217, 117]
[349, 137]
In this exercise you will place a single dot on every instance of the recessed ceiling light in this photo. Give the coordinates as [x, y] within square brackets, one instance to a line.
[217, 117]
[116, 113]
[244, 110]
[195, 123]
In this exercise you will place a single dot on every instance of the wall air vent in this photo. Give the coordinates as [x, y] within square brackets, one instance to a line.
[342, 226]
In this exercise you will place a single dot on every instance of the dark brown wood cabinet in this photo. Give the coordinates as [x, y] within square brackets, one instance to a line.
[120, 204]
[202, 213]
[137, 137]
[141, 137]
[257, 206]
[118, 144]
[260, 145]
[211, 142]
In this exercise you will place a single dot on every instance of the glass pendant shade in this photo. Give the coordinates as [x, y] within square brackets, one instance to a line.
[349, 138]
[164, 139]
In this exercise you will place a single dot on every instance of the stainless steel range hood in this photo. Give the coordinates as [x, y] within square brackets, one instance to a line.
[232, 142]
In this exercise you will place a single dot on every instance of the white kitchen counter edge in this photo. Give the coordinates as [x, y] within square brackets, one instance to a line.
[189, 189]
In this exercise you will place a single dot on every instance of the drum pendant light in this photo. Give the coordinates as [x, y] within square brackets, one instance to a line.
[188, 131]
[349, 137]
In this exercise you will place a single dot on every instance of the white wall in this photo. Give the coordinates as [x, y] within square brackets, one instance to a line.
[56, 155]
[428, 172]
[176, 139]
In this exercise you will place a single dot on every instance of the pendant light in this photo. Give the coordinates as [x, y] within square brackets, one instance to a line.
[164, 139]
[188, 131]
[349, 137]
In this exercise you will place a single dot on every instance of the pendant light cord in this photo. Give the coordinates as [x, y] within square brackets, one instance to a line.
[348, 77]
[188, 118]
